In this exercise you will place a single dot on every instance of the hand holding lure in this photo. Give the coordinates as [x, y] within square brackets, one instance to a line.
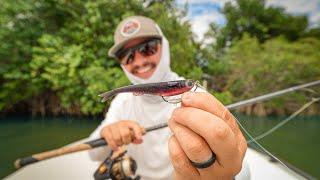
[163, 89]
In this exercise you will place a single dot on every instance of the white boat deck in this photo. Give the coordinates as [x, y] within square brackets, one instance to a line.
[79, 166]
[263, 169]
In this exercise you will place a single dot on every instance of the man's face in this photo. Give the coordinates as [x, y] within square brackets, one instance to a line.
[139, 63]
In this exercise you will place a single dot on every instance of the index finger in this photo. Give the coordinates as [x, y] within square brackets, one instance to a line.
[207, 102]
[137, 129]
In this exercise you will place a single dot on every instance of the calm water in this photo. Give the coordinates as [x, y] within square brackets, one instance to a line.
[297, 142]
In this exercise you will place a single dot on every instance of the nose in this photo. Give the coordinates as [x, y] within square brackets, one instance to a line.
[139, 59]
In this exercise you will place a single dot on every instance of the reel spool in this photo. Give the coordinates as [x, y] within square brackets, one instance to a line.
[124, 168]
[119, 167]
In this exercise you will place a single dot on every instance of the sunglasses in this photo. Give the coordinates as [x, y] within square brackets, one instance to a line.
[147, 48]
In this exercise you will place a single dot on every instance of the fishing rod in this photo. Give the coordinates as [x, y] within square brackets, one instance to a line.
[271, 95]
[70, 149]
[101, 142]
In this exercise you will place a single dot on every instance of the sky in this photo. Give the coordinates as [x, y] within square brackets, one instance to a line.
[203, 12]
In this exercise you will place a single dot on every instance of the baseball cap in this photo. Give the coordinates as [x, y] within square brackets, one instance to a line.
[131, 28]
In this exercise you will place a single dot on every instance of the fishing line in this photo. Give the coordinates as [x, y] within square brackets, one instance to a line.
[259, 145]
[305, 106]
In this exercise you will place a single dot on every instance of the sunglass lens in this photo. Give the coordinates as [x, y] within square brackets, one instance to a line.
[149, 48]
[146, 49]
[127, 58]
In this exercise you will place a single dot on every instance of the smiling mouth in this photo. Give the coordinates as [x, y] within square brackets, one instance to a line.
[144, 69]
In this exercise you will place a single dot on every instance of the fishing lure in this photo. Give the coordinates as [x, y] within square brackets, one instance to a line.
[164, 89]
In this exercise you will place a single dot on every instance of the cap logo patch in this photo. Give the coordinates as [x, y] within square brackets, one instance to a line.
[130, 28]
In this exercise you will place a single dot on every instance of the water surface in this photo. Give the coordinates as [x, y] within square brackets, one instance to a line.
[297, 142]
[23, 136]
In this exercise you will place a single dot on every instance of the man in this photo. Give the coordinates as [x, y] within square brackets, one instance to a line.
[200, 127]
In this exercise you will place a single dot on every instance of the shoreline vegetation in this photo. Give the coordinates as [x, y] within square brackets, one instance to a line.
[50, 106]
[53, 59]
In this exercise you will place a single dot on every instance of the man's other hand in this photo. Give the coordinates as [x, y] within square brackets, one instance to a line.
[122, 132]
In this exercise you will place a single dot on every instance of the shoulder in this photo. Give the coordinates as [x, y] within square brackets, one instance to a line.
[122, 97]
[121, 100]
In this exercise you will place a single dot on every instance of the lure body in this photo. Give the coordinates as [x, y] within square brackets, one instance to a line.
[170, 88]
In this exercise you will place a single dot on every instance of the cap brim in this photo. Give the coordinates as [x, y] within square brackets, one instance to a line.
[117, 47]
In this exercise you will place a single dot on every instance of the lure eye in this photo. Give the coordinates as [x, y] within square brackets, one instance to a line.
[189, 83]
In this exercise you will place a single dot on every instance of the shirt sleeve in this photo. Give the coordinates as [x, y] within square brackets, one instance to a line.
[244, 174]
[113, 115]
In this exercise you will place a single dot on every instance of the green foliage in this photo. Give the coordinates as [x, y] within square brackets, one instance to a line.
[314, 32]
[256, 68]
[53, 55]
[20, 27]
[261, 49]
[253, 17]
[225, 97]
[60, 47]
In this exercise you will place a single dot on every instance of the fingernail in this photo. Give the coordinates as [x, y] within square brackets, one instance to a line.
[187, 97]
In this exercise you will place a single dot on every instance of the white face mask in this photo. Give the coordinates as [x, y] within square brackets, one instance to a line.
[163, 71]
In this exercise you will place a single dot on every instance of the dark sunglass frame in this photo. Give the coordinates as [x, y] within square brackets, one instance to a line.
[124, 52]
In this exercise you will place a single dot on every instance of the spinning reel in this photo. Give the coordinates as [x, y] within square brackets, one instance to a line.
[117, 166]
